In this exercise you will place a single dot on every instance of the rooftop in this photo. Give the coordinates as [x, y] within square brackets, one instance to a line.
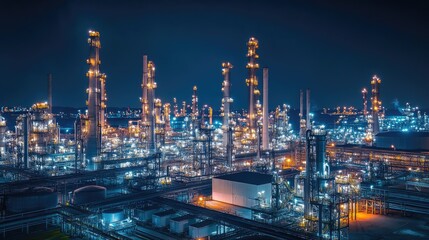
[253, 178]
[183, 218]
[203, 223]
[148, 208]
[165, 213]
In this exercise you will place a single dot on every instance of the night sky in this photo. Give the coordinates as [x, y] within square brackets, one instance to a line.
[332, 47]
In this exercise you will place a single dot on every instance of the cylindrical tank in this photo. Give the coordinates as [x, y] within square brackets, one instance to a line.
[113, 215]
[88, 194]
[31, 199]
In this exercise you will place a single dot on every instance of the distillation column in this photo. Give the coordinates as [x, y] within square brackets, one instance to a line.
[302, 124]
[365, 102]
[167, 112]
[194, 103]
[265, 116]
[148, 102]
[159, 124]
[376, 104]
[176, 108]
[226, 102]
[252, 83]
[183, 111]
[144, 100]
[315, 169]
[194, 110]
[325, 209]
[96, 97]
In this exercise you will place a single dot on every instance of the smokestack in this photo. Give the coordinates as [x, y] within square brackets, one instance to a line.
[308, 110]
[50, 92]
[265, 111]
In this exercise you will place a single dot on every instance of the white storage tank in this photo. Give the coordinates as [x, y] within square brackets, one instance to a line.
[113, 215]
[181, 224]
[145, 214]
[202, 229]
[161, 219]
[245, 189]
[87, 194]
[31, 199]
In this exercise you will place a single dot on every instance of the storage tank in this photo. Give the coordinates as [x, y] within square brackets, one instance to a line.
[88, 194]
[113, 215]
[145, 214]
[31, 199]
[202, 229]
[161, 219]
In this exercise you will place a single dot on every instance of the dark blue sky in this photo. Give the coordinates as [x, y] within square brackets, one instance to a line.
[332, 47]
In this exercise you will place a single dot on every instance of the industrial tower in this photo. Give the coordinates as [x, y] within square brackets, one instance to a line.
[159, 124]
[148, 103]
[167, 113]
[376, 104]
[265, 116]
[96, 97]
[194, 103]
[176, 108]
[326, 209]
[365, 102]
[194, 111]
[226, 102]
[252, 83]
[304, 123]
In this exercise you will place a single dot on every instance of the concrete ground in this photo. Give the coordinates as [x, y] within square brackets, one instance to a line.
[391, 227]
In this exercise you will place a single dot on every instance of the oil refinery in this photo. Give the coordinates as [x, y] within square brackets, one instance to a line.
[197, 172]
